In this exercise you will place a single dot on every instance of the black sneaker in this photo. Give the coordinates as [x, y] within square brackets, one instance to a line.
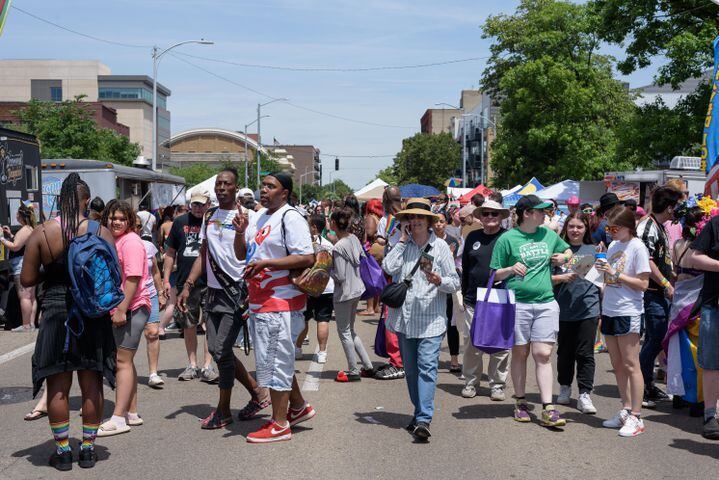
[655, 394]
[88, 457]
[711, 429]
[421, 432]
[387, 372]
[646, 403]
[410, 428]
[61, 461]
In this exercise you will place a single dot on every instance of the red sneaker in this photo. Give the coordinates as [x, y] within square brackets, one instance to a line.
[270, 432]
[300, 415]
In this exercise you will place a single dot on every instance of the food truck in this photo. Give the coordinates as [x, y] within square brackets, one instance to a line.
[20, 178]
[108, 180]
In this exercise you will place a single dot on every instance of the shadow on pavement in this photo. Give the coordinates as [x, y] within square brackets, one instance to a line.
[199, 410]
[578, 417]
[697, 448]
[387, 419]
[40, 454]
[493, 410]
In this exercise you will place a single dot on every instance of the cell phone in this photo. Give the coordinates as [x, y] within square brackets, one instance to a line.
[425, 262]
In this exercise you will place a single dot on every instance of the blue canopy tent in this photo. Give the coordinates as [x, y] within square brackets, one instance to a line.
[414, 190]
[529, 188]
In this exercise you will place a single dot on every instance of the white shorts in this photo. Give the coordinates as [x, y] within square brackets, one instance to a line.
[536, 322]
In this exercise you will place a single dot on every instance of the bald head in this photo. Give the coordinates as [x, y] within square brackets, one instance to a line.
[392, 199]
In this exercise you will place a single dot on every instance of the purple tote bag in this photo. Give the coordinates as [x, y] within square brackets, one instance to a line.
[493, 322]
[372, 276]
[380, 338]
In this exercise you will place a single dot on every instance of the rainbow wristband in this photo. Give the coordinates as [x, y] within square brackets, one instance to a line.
[665, 283]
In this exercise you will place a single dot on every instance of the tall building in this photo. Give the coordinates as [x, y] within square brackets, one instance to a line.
[438, 120]
[128, 96]
[475, 130]
[306, 160]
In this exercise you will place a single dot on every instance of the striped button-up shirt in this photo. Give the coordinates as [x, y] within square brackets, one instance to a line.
[424, 313]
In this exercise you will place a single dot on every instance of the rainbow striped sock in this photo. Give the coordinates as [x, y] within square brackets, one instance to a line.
[60, 431]
[89, 432]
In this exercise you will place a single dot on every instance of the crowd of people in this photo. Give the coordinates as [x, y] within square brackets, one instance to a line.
[607, 277]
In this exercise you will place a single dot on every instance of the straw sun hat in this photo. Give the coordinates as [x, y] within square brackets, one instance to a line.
[418, 206]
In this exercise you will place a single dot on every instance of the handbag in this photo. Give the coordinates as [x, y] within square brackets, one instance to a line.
[311, 280]
[372, 276]
[380, 337]
[395, 294]
[493, 322]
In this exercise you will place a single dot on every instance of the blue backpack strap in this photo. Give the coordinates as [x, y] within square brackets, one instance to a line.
[93, 225]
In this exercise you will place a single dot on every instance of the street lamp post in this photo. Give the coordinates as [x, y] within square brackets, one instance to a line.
[302, 181]
[247, 174]
[156, 57]
[259, 138]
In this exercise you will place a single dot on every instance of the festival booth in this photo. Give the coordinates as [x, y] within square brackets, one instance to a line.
[374, 189]
[560, 192]
[479, 189]
[531, 187]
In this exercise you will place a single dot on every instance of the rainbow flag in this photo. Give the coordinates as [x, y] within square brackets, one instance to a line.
[4, 9]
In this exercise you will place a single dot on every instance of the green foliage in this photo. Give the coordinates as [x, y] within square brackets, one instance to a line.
[337, 190]
[425, 159]
[67, 130]
[682, 31]
[195, 173]
[560, 105]
[199, 172]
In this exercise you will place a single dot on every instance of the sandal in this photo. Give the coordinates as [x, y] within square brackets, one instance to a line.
[134, 421]
[110, 428]
[34, 415]
[213, 421]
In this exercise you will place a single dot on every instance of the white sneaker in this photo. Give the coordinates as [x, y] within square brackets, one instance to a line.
[584, 403]
[633, 426]
[617, 421]
[322, 356]
[469, 391]
[565, 392]
[298, 353]
[155, 380]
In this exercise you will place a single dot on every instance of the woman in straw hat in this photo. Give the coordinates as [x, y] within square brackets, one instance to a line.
[421, 321]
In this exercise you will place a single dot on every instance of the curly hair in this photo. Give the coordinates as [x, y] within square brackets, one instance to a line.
[27, 214]
[122, 207]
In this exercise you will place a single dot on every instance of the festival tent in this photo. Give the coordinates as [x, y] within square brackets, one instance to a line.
[479, 189]
[206, 186]
[531, 187]
[560, 191]
[415, 190]
[374, 189]
[512, 190]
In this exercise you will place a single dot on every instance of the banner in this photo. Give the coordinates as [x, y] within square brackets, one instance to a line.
[4, 9]
[710, 140]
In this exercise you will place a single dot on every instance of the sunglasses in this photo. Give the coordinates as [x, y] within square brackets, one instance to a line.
[489, 214]
[588, 210]
[612, 229]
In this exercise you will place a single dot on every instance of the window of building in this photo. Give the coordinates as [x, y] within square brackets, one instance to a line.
[56, 94]
[30, 177]
[131, 93]
[46, 90]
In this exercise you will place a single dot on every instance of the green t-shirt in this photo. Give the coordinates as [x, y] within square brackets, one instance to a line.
[535, 251]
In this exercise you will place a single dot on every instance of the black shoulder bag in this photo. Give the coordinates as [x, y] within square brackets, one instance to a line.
[394, 294]
[236, 291]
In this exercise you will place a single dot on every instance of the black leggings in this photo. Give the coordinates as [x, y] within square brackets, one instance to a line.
[575, 343]
[452, 332]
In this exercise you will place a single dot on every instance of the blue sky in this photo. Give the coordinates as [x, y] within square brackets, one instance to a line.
[315, 33]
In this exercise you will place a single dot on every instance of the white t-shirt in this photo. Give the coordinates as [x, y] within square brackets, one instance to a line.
[220, 237]
[328, 245]
[151, 251]
[390, 233]
[148, 223]
[630, 258]
[272, 290]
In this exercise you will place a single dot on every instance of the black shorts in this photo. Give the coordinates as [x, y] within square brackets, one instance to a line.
[620, 326]
[319, 308]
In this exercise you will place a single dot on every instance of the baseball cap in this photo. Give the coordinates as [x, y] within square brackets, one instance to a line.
[199, 197]
[573, 200]
[245, 192]
[529, 202]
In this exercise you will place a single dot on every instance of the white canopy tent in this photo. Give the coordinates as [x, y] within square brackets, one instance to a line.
[560, 191]
[512, 190]
[374, 189]
[206, 186]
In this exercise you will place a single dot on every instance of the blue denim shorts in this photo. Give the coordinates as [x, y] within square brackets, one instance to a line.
[708, 349]
[273, 336]
[623, 325]
[155, 311]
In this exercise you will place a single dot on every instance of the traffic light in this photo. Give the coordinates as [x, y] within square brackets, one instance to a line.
[337, 164]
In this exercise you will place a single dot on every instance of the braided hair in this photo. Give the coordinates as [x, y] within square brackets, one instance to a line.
[72, 192]
[27, 213]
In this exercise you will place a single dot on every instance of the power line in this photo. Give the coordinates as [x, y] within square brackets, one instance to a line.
[300, 107]
[335, 69]
[339, 155]
[91, 37]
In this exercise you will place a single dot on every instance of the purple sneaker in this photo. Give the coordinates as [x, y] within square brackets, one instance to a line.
[521, 411]
[551, 417]
[252, 408]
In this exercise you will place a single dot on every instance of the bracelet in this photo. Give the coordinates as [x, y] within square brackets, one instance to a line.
[664, 283]
[615, 277]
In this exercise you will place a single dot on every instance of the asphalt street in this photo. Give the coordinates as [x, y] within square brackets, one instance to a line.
[357, 433]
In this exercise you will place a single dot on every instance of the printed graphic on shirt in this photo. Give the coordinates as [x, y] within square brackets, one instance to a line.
[534, 255]
[192, 241]
[618, 261]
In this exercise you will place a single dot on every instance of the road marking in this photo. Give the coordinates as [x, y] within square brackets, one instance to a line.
[6, 357]
[311, 382]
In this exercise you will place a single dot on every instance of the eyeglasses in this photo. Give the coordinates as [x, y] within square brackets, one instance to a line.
[489, 214]
[612, 229]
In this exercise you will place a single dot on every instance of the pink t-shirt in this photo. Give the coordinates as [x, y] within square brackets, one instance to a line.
[133, 263]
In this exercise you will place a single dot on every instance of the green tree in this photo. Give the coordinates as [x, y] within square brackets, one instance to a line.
[560, 105]
[195, 173]
[388, 175]
[199, 172]
[67, 130]
[682, 31]
[337, 190]
[425, 159]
